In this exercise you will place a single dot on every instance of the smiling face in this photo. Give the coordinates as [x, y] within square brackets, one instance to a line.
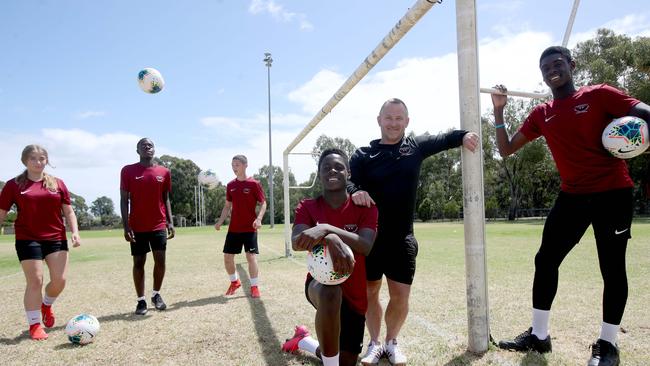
[333, 172]
[393, 120]
[557, 70]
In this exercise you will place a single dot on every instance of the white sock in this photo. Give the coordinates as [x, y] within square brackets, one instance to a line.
[140, 298]
[330, 361]
[308, 344]
[48, 301]
[540, 323]
[233, 277]
[33, 316]
[608, 332]
[154, 293]
[254, 281]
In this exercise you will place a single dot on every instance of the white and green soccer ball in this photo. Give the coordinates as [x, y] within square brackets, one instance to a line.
[626, 137]
[82, 329]
[150, 80]
[321, 268]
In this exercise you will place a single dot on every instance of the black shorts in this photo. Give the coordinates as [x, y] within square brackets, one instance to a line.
[352, 325]
[148, 241]
[235, 241]
[393, 256]
[39, 249]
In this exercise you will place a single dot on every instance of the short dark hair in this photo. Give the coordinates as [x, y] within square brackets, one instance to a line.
[143, 140]
[241, 158]
[557, 49]
[394, 101]
[331, 151]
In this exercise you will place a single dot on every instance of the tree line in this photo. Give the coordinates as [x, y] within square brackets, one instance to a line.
[524, 184]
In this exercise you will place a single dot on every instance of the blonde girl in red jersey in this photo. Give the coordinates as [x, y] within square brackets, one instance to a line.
[42, 201]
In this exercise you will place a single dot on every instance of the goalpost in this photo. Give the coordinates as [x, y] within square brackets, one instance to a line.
[472, 164]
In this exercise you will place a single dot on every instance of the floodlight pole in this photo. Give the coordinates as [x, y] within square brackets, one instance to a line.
[269, 60]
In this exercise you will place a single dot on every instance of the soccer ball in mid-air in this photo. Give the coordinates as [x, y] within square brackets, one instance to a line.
[320, 266]
[208, 178]
[82, 329]
[626, 137]
[150, 80]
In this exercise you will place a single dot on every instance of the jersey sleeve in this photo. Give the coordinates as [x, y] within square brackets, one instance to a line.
[65, 194]
[259, 192]
[168, 181]
[124, 179]
[7, 195]
[531, 126]
[432, 144]
[228, 195]
[368, 219]
[616, 103]
[302, 215]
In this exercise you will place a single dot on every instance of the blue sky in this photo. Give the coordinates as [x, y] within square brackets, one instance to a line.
[68, 74]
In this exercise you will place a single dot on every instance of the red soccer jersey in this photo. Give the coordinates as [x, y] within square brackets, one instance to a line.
[40, 215]
[244, 196]
[573, 128]
[349, 217]
[146, 186]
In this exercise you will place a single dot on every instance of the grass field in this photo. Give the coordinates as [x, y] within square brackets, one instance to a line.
[201, 326]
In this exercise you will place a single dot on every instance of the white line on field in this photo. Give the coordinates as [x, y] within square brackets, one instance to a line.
[434, 329]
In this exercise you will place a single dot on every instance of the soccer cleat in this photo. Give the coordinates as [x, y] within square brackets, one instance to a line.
[48, 315]
[291, 345]
[158, 302]
[395, 355]
[37, 333]
[141, 309]
[604, 353]
[255, 292]
[527, 341]
[234, 285]
[373, 355]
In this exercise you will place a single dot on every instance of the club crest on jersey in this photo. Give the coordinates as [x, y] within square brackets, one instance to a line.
[247, 190]
[407, 148]
[159, 178]
[582, 108]
[352, 228]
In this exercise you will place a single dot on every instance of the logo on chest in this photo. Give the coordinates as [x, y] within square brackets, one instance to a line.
[352, 228]
[581, 108]
[160, 178]
[246, 190]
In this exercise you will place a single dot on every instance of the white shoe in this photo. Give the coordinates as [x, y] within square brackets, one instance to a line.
[395, 356]
[373, 355]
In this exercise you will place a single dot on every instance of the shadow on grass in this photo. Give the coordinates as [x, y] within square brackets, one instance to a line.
[468, 358]
[24, 336]
[266, 336]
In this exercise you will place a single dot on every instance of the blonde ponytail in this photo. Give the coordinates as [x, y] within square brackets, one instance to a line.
[49, 181]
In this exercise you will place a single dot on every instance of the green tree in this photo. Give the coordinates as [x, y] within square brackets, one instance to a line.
[325, 142]
[104, 209]
[184, 175]
[278, 188]
[81, 210]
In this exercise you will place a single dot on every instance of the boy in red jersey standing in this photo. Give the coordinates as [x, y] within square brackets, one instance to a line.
[147, 219]
[242, 196]
[596, 190]
[336, 220]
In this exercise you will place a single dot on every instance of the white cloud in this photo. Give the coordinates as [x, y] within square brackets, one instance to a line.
[89, 114]
[633, 25]
[279, 13]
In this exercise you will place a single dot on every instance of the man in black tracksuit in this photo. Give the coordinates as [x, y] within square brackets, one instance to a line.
[387, 173]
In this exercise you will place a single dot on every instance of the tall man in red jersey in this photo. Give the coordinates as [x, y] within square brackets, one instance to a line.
[147, 219]
[340, 309]
[596, 189]
[242, 196]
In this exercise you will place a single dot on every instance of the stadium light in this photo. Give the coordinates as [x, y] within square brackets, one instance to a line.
[269, 60]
